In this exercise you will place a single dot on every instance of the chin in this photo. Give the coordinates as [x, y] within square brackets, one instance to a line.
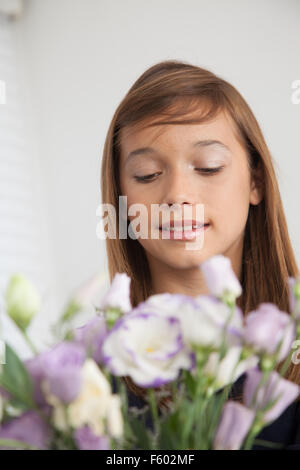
[185, 262]
[178, 257]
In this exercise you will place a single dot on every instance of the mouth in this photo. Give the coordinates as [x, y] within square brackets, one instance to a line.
[182, 230]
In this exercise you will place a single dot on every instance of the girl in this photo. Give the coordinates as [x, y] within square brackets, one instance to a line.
[184, 136]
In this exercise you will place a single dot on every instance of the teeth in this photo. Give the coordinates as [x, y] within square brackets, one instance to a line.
[180, 229]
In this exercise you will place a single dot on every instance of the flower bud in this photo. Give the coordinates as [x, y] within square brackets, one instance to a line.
[221, 279]
[22, 300]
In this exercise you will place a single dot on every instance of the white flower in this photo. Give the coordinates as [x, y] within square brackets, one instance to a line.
[220, 277]
[118, 295]
[229, 369]
[59, 417]
[90, 291]
[95, 405]
[114, 417]
[201, 318]
[147, 347]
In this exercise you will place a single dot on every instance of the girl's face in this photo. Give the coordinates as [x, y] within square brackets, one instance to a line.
[176, 157]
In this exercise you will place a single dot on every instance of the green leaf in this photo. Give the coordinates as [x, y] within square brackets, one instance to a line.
[169, 437]
[141, 433]
[14, 444]
[14, 378]
[274, 445]
[190, 383]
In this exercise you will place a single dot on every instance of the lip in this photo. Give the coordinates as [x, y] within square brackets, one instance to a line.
[183, 235]
[181, 223]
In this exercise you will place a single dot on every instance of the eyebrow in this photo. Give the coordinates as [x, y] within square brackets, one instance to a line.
[198, 143]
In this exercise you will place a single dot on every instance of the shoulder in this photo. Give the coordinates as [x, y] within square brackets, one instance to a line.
[284, 430]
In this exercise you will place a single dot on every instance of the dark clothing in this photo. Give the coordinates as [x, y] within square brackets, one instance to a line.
[284, 430]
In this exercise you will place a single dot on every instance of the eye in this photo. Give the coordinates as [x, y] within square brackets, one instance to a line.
[206, 171]
[146, 178]
[209, 171]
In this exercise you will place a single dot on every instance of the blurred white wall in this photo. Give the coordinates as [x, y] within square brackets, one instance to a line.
[77, 59]
[25, 246]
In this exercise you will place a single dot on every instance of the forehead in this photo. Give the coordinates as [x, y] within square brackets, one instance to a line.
[179, 136]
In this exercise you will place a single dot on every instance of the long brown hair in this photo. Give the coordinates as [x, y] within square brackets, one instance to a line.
[166, 93]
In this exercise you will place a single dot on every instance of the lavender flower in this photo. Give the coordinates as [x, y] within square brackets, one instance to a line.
[29, 428]
[86, 440]
[91, 336]
[60, 367]
[36, 369]
[266, 327]
[275, 388]
[234, 425]
[220, 277]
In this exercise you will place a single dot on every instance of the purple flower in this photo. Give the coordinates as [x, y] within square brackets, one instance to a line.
[36, 370]
[220, 277]
[118, 295]
[86, 440]
[62, 369]
[275, 387]
[234, 425]
[266, 327]
[91, 336]
[29, 428]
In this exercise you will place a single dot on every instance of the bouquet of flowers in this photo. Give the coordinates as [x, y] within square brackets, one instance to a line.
[186, 350]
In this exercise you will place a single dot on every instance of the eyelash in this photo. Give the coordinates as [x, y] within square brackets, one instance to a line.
[205, 171]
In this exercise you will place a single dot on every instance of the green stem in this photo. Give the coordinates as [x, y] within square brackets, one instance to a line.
[274, 445]
[201, 408]
[29, 342]
[15, 444]
[174, 391]
[154, 411]
[249, 441]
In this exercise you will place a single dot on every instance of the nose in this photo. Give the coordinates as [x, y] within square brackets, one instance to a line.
[179, 189]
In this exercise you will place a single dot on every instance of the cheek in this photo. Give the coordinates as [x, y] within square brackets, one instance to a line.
[136, 195]
[134, 192]
[139, 212]
[230, 204]
[133, 196]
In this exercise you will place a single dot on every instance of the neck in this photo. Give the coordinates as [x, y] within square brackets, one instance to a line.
[189, 281]
[177, 281]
